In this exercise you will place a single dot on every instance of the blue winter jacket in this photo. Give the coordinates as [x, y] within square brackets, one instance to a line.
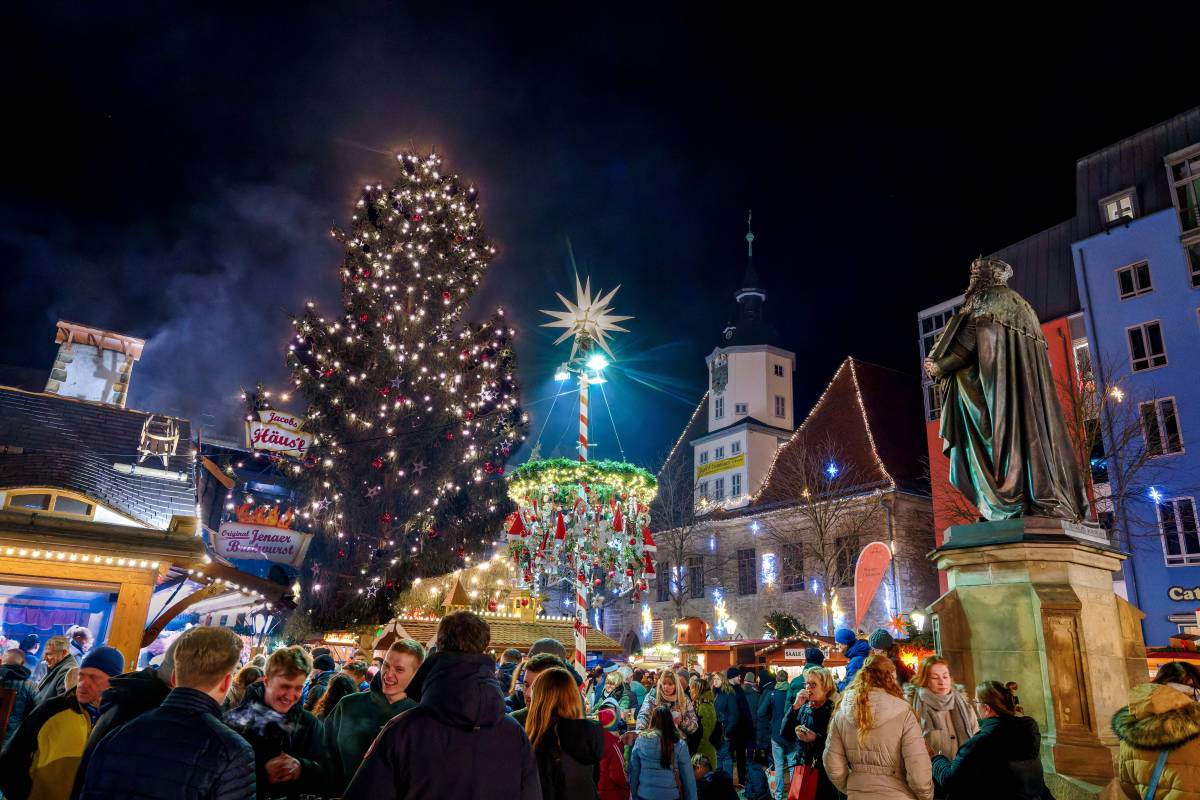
[772, 708]
[179, 751]
[727, 711]
[453, 743]
[857, 654]
[649, 780]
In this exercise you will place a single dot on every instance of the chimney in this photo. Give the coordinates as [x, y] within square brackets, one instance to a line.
[93, 364]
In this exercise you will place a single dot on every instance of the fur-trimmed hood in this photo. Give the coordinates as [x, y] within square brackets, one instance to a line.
[1157, 718]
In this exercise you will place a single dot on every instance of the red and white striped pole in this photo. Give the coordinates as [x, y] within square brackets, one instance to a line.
[583, 414]
[581, 587]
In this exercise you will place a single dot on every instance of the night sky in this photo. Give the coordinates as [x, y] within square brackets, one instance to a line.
[174, 175]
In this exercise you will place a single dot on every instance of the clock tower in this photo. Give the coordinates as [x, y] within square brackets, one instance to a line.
[749, 400]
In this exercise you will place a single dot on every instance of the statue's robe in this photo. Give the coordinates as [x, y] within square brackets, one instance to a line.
[1002, 425]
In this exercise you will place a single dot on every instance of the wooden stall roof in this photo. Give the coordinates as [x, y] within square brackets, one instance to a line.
[506, 632]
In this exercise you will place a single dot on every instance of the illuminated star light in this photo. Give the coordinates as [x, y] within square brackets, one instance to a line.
[588, 316]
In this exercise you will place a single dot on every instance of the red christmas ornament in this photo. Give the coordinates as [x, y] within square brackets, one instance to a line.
[364, 317]
[310, 462]
[629, 573]
[460, 551]
[458, 237]
[464, 354]
[385, 391]
[488, 467]
[504, 451]
[415, 217]
[377, 462]
[469, 414]
[595, 582]
[449, 435]
[386, 517]
[431, 533]
[491, 606]
[499, 470]
[328, 372]
[446, 297]
[524, 602]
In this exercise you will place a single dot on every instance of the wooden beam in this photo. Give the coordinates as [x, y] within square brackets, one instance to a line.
[151, 633]
[216, 472]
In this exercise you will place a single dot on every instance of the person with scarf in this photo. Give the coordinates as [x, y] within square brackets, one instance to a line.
[807, 724]
[947, 719]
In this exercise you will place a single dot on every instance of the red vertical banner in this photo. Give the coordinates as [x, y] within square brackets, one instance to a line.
[868, 574]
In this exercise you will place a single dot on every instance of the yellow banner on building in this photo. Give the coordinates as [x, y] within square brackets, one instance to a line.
[720, 465]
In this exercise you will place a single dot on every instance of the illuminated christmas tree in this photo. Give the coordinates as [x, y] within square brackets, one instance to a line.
[412, 409]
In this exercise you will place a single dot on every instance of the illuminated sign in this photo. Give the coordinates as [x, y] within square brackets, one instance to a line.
[720, 465]
[277, 433]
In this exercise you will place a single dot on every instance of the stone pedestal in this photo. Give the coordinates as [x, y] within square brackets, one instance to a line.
[1032, 601]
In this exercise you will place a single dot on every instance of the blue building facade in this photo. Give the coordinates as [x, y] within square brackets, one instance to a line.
[1138, 279]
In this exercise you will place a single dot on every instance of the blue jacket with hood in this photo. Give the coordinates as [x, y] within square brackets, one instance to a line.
[857, 654]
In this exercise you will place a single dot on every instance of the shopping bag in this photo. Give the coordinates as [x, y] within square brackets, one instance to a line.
[804, 783]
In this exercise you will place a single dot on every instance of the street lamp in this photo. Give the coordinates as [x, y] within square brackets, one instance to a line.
[597, 362]
[562, 373]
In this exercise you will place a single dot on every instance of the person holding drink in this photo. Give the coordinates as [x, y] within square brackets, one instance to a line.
[807, 724]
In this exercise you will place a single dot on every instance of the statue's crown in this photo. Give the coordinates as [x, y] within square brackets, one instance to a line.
[999, 271]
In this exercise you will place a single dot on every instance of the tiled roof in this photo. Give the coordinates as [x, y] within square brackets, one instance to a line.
[507, 632]
[872, 416]
[62, 443]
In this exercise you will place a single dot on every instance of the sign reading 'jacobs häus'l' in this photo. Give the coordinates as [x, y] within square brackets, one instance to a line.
[277, 433]
[720, 465]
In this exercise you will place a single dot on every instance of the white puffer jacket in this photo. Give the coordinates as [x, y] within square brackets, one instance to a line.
[890, 764]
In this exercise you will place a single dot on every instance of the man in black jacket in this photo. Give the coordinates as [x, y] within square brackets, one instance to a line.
[457, 742]
[59, 661]
[288, 755]
[14, 674]
[180, 750]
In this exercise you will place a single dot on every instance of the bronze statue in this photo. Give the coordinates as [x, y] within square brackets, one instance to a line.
[1002, 425]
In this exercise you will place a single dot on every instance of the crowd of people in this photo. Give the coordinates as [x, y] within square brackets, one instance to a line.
[451, 722]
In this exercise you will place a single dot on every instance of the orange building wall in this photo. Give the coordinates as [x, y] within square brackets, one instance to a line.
[1062, 365]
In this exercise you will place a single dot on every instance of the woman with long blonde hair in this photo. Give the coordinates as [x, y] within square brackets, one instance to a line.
[875, 748]
[567, 746]
[807, 724]
[706, 713]
[668, 691]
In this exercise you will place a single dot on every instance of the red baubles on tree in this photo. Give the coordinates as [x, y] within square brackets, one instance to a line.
[377, 462]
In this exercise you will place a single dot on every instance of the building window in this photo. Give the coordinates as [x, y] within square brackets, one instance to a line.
[847, 554]
[1193, 257]
[735, 485]
[1146, 348]
[930, 328]
[719, 407]
[719, 489]
[779, 370]
[703, 456]
[52, 502]
[747, 572]
[1184, 172]
[695, 576]
[792, 571]
[663, 584]
[1134, 280]
[735, 447]
[1119, 207]
[704, 490]
[1160, 427]
[718, 453]
[741, 408]
[1181, 541]
[780, 406]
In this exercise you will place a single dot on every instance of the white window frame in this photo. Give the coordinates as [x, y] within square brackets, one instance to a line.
[779, 370]
[735, 485]
[780, 406]
[1188, 184]
[1185, 560]
[1144, 328]
[718, 453]
[718, 407]
[54, 495]
[703, 490]
[735, 447]
[1132, 269]
[718, 489]
[703, 456]
[1162, 425]
[1129, 194]
[1191, 254]
[741, 408]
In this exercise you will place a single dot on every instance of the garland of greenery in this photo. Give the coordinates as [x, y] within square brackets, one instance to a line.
[601, 478]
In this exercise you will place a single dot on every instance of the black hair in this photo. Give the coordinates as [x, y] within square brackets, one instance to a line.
[1178, 672]
[667, 735]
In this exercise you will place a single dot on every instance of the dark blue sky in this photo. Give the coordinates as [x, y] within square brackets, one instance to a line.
[174, 174]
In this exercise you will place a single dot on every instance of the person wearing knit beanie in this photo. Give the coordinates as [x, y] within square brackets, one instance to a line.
[845, 637]
[880, 640]
[105, 659]
[813, 657]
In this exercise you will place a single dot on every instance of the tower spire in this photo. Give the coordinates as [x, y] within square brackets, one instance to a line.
[750, 234]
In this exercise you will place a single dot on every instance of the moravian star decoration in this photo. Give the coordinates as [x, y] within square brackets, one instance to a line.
[588, 317]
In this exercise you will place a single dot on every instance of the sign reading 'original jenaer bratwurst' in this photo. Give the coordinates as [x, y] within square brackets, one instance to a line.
[242, 540]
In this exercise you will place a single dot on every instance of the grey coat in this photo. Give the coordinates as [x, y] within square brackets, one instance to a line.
[55, 682]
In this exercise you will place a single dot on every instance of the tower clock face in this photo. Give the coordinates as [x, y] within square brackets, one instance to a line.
[720, 373]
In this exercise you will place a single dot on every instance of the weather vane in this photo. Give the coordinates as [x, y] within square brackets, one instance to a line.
[588, 321]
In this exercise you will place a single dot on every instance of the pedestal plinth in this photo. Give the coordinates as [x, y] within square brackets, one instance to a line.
[1031, 600]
